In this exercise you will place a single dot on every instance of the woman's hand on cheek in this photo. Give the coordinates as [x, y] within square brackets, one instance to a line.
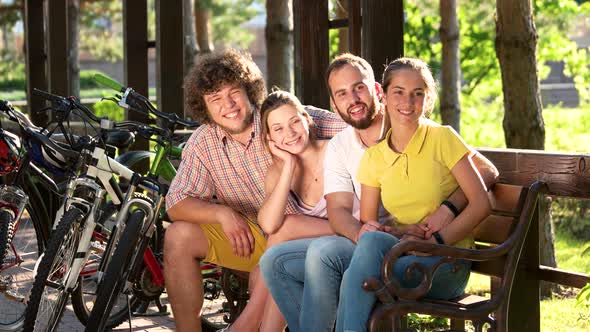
[283, 155]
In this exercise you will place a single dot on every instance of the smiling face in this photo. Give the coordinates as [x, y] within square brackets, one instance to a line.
[405, 97]
[288, 128]
[354, 96]
[230, 108]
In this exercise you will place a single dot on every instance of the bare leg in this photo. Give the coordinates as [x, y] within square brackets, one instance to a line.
[250, 318]
[183, 245]
[273, 319]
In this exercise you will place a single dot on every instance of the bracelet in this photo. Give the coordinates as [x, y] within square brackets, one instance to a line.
[438, 238]
[451, 207]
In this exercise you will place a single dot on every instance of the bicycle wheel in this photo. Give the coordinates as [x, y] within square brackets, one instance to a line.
[49, 296]
[225, 296]
[116, 274]
[84, 296]
[16, 279]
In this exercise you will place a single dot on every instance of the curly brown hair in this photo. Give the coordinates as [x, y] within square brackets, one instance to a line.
[212, 71]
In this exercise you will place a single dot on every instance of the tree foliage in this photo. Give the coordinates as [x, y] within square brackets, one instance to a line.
[555, 21]
[228, 15]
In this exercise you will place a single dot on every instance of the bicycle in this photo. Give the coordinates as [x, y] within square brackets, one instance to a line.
[27, 206]
[130, 269]
[76, 243]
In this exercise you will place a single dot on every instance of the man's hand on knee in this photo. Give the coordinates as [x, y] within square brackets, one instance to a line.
[238, 232]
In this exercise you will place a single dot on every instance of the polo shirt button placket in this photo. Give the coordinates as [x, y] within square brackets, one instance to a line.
[405, 158]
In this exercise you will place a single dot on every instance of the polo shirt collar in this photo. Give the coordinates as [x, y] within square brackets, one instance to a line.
[413, 148]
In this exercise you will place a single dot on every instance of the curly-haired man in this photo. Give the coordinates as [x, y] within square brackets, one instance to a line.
[219, 188]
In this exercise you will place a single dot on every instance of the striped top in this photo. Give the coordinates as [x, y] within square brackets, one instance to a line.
[217, 168]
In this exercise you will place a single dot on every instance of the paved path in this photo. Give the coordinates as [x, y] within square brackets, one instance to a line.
[69, 321]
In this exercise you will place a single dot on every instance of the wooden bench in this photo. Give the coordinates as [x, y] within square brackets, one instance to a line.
[500, 239]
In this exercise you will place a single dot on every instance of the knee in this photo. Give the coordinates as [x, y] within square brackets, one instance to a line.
[267, 263]
[183, 240]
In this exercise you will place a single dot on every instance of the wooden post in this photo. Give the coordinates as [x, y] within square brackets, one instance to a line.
[169, 56]
[135, 45]
[57, 47]
[35, 58]
[311, 51]
[383, 32]
[524, 306]
[354, 27]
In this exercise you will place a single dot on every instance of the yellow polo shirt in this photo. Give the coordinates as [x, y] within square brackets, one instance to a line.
[415, 182]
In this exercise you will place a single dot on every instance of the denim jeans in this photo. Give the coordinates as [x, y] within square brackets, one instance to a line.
[355, 305]
[304, 279]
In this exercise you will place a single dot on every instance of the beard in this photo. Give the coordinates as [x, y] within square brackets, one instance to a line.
[363, 123]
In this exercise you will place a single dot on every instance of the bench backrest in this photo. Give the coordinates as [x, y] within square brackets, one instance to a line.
[507, 203]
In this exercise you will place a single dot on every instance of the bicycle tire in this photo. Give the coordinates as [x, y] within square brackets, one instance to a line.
[6, 232]
[60, 253]
[84, 296]
[116, 273]
[17, 279]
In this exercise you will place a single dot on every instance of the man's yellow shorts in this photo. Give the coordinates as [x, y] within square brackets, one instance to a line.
[220, 251]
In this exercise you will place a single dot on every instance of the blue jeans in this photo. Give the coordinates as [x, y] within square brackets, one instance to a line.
[304, 279]
[355, 305]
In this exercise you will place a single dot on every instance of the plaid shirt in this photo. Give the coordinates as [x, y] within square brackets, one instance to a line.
[215, 165]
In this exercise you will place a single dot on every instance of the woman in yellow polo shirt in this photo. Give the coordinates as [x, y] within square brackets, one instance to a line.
[417, 166]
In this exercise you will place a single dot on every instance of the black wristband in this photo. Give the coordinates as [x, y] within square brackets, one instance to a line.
[438, 238]
[451, 207]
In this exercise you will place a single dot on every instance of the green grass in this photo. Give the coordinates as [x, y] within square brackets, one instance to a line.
[568, 253]
[566, 129]
[562, 315]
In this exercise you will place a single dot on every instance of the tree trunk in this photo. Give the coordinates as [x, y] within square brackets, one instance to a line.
[73, 49]
[450, 106]
[342, 12]
[516, 43]
[279, 43]
[190, 45]
[203, 27]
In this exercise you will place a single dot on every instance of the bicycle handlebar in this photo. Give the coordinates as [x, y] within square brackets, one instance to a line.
[60, 103]
[108, 82]
[137, 102]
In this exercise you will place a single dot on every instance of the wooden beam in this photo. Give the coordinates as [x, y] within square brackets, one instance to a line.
[136, 57]
[36, 70]
[383, 32]
[562, 277]
[567, 174]
[170, 56]
[135, 46]
[311, 51]
[57, 47]
[354, 27]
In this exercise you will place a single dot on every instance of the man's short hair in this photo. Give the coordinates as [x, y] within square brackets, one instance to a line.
[212, 71]
[349, 59]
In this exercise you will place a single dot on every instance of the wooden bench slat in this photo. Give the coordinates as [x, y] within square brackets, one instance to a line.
[505, 198]
[494, 229]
